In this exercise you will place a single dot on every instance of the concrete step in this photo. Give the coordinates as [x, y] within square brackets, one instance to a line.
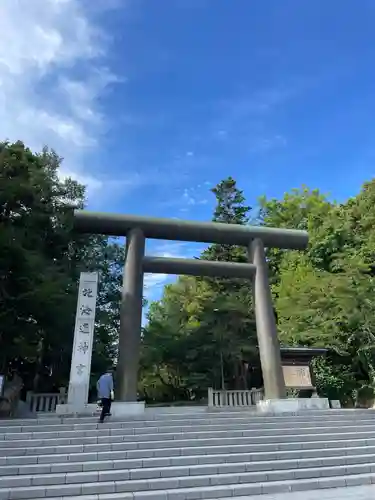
[142, 473]
[121, 435]
[266, 450]
[152, 418]
[240, 491]
[173, 448]
[200, 483]
[113, 443]
[118, 428]
[50, 466]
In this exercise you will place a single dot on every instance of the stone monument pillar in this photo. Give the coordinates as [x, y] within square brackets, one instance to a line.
[82, 351]
[83, 341]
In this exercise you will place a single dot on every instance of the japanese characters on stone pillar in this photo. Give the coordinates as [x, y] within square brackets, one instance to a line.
[83, 340]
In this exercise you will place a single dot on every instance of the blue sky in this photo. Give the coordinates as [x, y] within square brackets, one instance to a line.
[152, 102]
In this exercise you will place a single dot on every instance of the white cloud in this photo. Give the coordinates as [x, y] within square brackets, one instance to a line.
[152, 282]
[193, 196]
[263, 145]
[247, 119]
[51, 74]
[188, 198]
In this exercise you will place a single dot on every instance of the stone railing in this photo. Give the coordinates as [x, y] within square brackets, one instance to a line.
[219, 398]
[45, 402]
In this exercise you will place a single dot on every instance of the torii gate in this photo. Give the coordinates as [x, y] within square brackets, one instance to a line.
[137, 229]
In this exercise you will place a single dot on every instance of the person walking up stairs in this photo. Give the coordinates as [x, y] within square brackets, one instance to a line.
[105, 390]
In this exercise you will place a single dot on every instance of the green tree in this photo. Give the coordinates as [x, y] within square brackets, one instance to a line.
[34, 250]
[230, 209]
[40, 259]
[303, 209]
[232, 303]
[169, 341]
[323, 296]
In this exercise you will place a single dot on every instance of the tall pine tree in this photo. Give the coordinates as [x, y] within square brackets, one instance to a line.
[230, 209]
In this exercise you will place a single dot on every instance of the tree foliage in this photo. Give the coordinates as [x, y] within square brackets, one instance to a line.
[40, 260]
[324, 297]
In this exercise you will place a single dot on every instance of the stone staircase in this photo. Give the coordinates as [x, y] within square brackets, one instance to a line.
[185, 456]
